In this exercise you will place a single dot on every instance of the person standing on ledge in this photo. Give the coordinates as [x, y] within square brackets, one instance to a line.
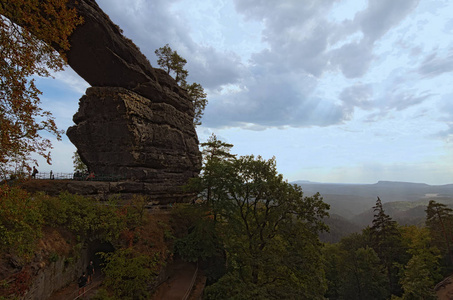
[35, 171]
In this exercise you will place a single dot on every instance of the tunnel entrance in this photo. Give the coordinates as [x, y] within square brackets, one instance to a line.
[96, 246]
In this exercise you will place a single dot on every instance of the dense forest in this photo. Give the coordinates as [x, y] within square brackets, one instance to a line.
[253, 234]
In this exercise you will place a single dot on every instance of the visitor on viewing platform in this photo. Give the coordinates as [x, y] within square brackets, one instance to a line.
[35, 171]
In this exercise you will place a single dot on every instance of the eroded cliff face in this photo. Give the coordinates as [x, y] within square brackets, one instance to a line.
[135, 122]
[121, 133]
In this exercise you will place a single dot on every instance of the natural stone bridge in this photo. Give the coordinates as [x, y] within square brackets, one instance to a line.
[135, 121]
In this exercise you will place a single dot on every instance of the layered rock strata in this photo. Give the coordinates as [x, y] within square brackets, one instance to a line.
[123, 134]
[135, 123]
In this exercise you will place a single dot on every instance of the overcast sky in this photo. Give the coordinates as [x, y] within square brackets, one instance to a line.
[338, 91]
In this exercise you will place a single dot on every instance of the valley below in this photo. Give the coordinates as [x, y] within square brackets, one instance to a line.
[351, 205]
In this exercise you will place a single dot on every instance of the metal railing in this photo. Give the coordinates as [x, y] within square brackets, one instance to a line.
[78, 176]
[190, 288]
[51, 175]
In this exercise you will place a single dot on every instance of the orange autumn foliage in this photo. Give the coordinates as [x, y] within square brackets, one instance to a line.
[30, 30]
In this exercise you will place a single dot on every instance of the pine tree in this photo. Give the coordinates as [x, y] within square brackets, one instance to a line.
[172, 62]
[387, 242]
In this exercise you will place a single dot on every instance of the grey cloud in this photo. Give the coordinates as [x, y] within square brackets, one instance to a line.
[297, 34]
[276, 84]
[353, 59]
[273, 102]
[213, 69]
[282, 12]
[402, 100]
[300, 35]
[447, 133]
[382, 15]
[433, 65]
[358, 96]
[379, 100]
[446, 116]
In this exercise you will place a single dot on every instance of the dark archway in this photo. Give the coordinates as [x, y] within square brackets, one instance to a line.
[93, 249]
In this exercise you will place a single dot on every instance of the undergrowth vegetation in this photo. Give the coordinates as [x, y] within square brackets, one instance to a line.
[140, 243]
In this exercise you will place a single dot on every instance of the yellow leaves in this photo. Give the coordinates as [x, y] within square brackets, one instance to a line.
[29, 31]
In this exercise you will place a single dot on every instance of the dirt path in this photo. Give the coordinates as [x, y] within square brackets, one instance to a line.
[71, 291]
[176, 287]
[444, 289]
[179, 282]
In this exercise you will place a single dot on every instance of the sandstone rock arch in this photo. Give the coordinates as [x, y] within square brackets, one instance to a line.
[135, 122]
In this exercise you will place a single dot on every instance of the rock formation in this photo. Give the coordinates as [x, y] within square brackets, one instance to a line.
[135, 122]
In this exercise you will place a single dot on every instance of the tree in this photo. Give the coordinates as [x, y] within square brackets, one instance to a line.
[422, 271]
[177, 65]
[215, 149]
[439, 222]
[353, 270]
[164, 55]
[270, 233]
[172, 62]
[27, 50]
[128, 274]
[79, 165]
[363, 277]
[387, 242]
[198, 96]
[215, 152]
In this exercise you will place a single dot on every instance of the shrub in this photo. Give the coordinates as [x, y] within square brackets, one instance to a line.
[128, 274]
[20, 222]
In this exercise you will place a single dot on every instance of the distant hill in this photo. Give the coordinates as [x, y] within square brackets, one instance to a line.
[388, 191]
[404, 212]
[339, 227]
[351, 205]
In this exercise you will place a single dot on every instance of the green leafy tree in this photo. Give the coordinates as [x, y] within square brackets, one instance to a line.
[269, 230]
[164, 55]
[177, 65]
[422, 271]
[215, 150]
[214, 153]
[202, 241]
[365, 277]
[439, 220]
[172, 62]
[29, 33]
[198, 96]
[354, 270]
[79, 165]
[20, 222]
[128, 274]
